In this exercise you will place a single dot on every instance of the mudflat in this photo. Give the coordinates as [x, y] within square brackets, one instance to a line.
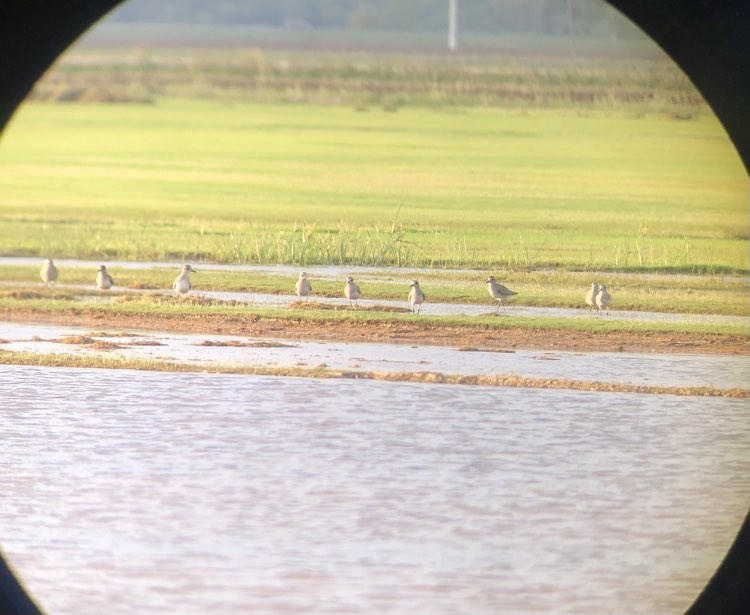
[467, 336]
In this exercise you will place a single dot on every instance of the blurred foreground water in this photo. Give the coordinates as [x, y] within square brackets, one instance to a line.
[136, 492]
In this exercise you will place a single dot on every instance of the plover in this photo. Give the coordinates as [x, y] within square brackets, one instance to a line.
[48, 272]
[603, 299]
[103, 280]
[591, 295]
[181, 284]
[416, 297]
[499, 292]
[351, 290]
[303, 286]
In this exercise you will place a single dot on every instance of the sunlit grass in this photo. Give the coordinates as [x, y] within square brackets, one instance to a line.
[559, 289]
[303, 185]
[166, 309]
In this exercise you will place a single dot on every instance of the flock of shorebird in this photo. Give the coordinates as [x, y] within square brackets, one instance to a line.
[352, 291]
[597, 297]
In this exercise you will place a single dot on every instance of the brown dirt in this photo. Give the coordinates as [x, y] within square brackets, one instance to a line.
[396, 332]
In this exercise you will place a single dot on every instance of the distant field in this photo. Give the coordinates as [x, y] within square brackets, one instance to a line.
[143, 63]
[302, 184]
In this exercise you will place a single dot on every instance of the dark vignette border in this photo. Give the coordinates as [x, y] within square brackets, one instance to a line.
[708, 39]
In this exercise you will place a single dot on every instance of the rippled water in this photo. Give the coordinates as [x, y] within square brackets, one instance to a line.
[128, 492]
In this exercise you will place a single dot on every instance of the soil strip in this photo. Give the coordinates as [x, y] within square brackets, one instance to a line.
[479, 337]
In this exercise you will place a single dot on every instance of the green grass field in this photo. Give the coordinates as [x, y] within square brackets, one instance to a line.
[300, 184]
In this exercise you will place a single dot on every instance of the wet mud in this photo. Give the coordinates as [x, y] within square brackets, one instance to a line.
[509, 338]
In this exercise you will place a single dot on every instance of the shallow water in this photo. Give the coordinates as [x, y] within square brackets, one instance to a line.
[320, 271]
[132, 492]
[667, 370]
[323, 271]
[469, 309]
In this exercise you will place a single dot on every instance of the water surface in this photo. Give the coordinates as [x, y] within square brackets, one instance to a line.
[132, 492]
[202, 350]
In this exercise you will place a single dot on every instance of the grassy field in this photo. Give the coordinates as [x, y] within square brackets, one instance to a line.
[479, 188]
[547, 169]
[364, 70]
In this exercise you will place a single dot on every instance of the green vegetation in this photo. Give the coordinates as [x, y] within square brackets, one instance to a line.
[166, 307]
[482, 188]
[550, 169]
[561, 289]
[537, 73]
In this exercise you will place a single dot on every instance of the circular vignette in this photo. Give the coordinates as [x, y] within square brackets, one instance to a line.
[708, 40]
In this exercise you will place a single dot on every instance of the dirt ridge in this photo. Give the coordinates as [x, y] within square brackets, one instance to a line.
[480, 337]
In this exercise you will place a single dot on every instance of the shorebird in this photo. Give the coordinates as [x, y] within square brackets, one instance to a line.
[48, 272]
[103, 280]
[498, 291]
[603, 299]
[591, 296]
[416, 296]
[181, 284]
[351, 290]
[303, 286]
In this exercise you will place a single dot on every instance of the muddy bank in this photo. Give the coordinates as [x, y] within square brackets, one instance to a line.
[425, 377]
[408, 333]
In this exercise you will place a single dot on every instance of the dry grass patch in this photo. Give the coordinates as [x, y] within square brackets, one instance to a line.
[21, 294]
[136, 341]
[500, 380]
[169, 299]
[240, 344]
[314, 305]
[141, 286]
[388, 308]
[475, 349]
[512, 380]
[89, 342]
